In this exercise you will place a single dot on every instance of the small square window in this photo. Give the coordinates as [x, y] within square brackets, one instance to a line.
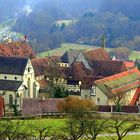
[5, 77]
[98, 100]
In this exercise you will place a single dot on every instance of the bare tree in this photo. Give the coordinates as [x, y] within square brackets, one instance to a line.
[94, 127]
[117, 100]
[122, 127]
[39, 131]
[52, 73]
[10, 129]
[74, 129]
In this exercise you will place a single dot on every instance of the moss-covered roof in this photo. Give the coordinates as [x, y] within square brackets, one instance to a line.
[119, 83]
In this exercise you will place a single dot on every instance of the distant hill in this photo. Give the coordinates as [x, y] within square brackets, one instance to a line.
[118, 20]
[10, 8]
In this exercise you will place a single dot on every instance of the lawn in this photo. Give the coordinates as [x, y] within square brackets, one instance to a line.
[129, 137]
[47, 122]
[56, 126]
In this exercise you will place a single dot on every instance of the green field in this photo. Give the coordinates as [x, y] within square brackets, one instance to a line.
[129, 137]
[57, 124]
[134, 55]
[65, 47]
[58, 127]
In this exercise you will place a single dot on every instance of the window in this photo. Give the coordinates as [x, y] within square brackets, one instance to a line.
[93, 91]
[98, 100]
[11, 99]
[15, 78]
[5, 77]
[29, 69]
[29, 87]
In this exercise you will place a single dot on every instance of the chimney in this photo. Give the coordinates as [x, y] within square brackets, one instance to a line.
[25, 38]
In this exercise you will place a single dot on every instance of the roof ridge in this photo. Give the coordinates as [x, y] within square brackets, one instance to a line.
[117, 75]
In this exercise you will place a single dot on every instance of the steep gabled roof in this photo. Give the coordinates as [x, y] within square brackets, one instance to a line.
[97, 54]
[78, 71]
[69, 56]
[119, 83]
[40, 64]
[17, 49]
[107, 68]
[9, 85]
[13, 65]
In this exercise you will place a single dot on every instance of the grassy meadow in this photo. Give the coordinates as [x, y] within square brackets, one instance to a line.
[67, 46]
[134, 55]
[56, 126]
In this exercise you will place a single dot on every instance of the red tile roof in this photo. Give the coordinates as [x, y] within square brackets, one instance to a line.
[78, 71]
[129, 64]
[97, 54]
[40, 64]
[18, 49]
[120, 83]
[88, 82]
[135, 97]
[107, 68]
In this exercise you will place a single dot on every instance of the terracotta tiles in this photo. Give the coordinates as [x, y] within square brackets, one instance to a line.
[129, 64]
[78, 71]
[40, 64]
[18, 49]
[107, 68]
[120, 83]
[97, 54]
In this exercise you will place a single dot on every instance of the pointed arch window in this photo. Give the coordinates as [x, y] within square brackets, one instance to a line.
[11, 99]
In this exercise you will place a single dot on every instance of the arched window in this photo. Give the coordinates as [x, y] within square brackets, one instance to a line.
[29, 87]
[20, 100]
[11, 99]
[34, 90]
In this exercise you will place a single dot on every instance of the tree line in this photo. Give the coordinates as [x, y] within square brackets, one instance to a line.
[121, 27]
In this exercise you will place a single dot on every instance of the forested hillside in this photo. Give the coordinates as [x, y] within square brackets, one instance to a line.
[118, 20]
[10, 8]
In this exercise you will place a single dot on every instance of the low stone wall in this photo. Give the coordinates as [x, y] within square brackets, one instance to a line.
[126, 109]
[96, 115]
[39, 106]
